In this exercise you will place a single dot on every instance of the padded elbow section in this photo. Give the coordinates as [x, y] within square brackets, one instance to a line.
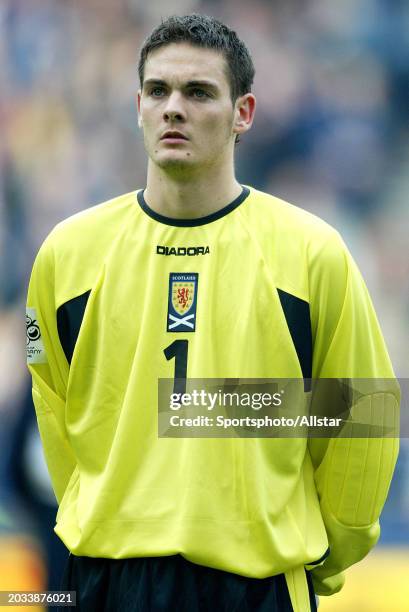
[355, 475]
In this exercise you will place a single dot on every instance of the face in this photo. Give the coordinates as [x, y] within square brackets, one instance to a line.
[185, 108]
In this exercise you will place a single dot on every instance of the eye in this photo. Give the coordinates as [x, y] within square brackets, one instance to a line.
[156, 92]
[199, 93]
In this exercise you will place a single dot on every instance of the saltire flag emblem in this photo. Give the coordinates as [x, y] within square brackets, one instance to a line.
[182, 302]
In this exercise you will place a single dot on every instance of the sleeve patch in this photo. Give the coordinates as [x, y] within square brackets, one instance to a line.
[35, 347]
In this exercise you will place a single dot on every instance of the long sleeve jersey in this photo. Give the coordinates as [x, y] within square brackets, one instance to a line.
[274, 293]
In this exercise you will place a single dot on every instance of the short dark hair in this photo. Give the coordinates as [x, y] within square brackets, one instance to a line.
[207, 32]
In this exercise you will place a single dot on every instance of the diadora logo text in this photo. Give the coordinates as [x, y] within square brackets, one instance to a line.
[183, 251]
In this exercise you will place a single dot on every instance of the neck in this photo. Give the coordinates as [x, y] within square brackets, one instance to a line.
[193, 196]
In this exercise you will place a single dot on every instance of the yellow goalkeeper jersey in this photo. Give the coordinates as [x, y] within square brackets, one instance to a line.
[259, 289]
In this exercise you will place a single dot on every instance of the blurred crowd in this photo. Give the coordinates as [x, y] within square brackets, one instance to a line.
[331, 135]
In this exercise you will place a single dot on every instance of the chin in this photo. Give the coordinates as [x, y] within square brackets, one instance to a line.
[175, 163]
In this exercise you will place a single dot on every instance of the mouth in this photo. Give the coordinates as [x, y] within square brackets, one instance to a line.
[173, 137]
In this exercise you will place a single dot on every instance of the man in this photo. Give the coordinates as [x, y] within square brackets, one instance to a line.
[197, 276]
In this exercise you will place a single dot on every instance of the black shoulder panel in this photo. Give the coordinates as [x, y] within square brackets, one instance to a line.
[69, 319]
[297, 314]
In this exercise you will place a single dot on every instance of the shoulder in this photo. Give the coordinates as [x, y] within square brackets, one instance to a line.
[92, 228]
[97, 218]
[71, 256]
[288, 221]
[299, 248]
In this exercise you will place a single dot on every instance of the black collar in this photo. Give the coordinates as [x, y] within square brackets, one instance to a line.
[192, 222]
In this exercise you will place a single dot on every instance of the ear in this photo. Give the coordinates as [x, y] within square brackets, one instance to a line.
[244, 109]
[138, 107]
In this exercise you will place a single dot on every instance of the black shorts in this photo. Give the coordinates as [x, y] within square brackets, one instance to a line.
[170, 584]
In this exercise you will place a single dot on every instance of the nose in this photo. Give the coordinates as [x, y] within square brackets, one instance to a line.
[174, 110]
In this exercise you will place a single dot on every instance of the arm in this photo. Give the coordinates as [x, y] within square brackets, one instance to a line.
[49, 369]
[352, 474]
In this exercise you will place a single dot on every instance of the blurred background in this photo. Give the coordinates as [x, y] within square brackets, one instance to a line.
[331, 135]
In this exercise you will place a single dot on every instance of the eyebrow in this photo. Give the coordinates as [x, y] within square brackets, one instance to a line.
[197, 83]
